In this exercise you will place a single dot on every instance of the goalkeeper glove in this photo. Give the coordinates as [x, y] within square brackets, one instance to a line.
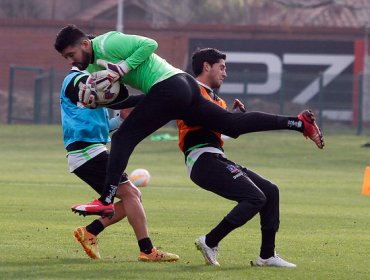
[121, 68]
[85, 96]
[102, 81]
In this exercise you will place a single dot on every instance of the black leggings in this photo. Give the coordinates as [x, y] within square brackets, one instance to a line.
[177, 97]
[254, 194]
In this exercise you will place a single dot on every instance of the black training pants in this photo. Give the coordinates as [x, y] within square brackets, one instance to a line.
[254, 194]
[177, 97]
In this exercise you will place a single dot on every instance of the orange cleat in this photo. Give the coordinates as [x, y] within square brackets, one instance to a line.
[158, 256]
[88, 241]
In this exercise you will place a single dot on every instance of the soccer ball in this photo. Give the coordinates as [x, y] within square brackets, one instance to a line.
[140, 177]
[103, 86]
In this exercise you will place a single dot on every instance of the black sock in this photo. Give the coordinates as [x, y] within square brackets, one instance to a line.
[268, 244]
[145, 245]
[292, 123]
[95, 227]
[219, 232]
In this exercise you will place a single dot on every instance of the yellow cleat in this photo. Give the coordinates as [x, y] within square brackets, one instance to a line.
[158, 256]
[88, 241]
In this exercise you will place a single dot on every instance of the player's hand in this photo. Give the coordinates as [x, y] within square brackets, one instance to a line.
[238, 105]
[101, 81]
[120, 68]
[85, 96]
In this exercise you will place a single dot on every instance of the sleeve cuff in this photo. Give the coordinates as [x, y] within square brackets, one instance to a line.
[125, 68]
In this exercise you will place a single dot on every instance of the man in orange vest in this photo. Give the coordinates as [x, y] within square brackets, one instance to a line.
[209, 168]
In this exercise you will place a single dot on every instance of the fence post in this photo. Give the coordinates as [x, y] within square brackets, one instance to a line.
[321, 99]
[51, 90]
[10, 94]
[37, 98]
[245, 83]
[361, 78]
[36, 101]
[282, 93]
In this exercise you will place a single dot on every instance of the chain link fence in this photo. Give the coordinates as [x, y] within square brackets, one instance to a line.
[33, 96]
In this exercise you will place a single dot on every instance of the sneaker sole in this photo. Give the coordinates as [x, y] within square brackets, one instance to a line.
[88, 251]
[149, 260]
[102, 213]
[321, 145]
[269, 265]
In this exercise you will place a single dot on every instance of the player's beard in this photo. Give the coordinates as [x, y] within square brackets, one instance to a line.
[215, 84]
[86, 58]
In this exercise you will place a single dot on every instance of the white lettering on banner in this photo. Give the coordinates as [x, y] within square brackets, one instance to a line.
[273, 65]
[337, 64]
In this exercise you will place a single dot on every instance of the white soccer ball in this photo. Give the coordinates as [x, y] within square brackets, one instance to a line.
[140, 177]
[104, 87]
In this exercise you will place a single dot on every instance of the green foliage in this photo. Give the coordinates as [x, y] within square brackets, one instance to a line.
[324, 218]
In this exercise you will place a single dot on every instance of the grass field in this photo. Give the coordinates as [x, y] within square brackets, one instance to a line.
[325, 221]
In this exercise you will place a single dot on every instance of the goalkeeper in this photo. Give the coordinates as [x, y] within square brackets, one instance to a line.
[169, 94]
[85, 133]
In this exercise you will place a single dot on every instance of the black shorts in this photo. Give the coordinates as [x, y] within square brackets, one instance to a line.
[94, 171]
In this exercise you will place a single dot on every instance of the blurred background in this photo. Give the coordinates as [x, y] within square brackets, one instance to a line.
[282, 55]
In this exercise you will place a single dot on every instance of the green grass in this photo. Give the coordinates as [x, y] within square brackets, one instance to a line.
[325, 220]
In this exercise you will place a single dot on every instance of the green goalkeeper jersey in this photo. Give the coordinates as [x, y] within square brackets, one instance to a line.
[146, 68]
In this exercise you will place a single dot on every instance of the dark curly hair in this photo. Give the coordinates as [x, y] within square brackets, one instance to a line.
[69, 35]
[209, 55]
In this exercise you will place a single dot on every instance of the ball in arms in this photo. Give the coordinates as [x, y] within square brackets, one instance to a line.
[104, 87]
[140, 177]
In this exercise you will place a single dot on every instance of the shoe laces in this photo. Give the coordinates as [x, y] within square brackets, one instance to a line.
[279, 258]
[215, 250]
[309, 116]
[159, 254]
[93, 240]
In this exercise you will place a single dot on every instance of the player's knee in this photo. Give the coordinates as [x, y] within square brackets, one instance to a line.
[127, 189]
[272, 193]
[252, 199]
[260, 201]
[136, 192]
[245, 210]
[276, 191]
